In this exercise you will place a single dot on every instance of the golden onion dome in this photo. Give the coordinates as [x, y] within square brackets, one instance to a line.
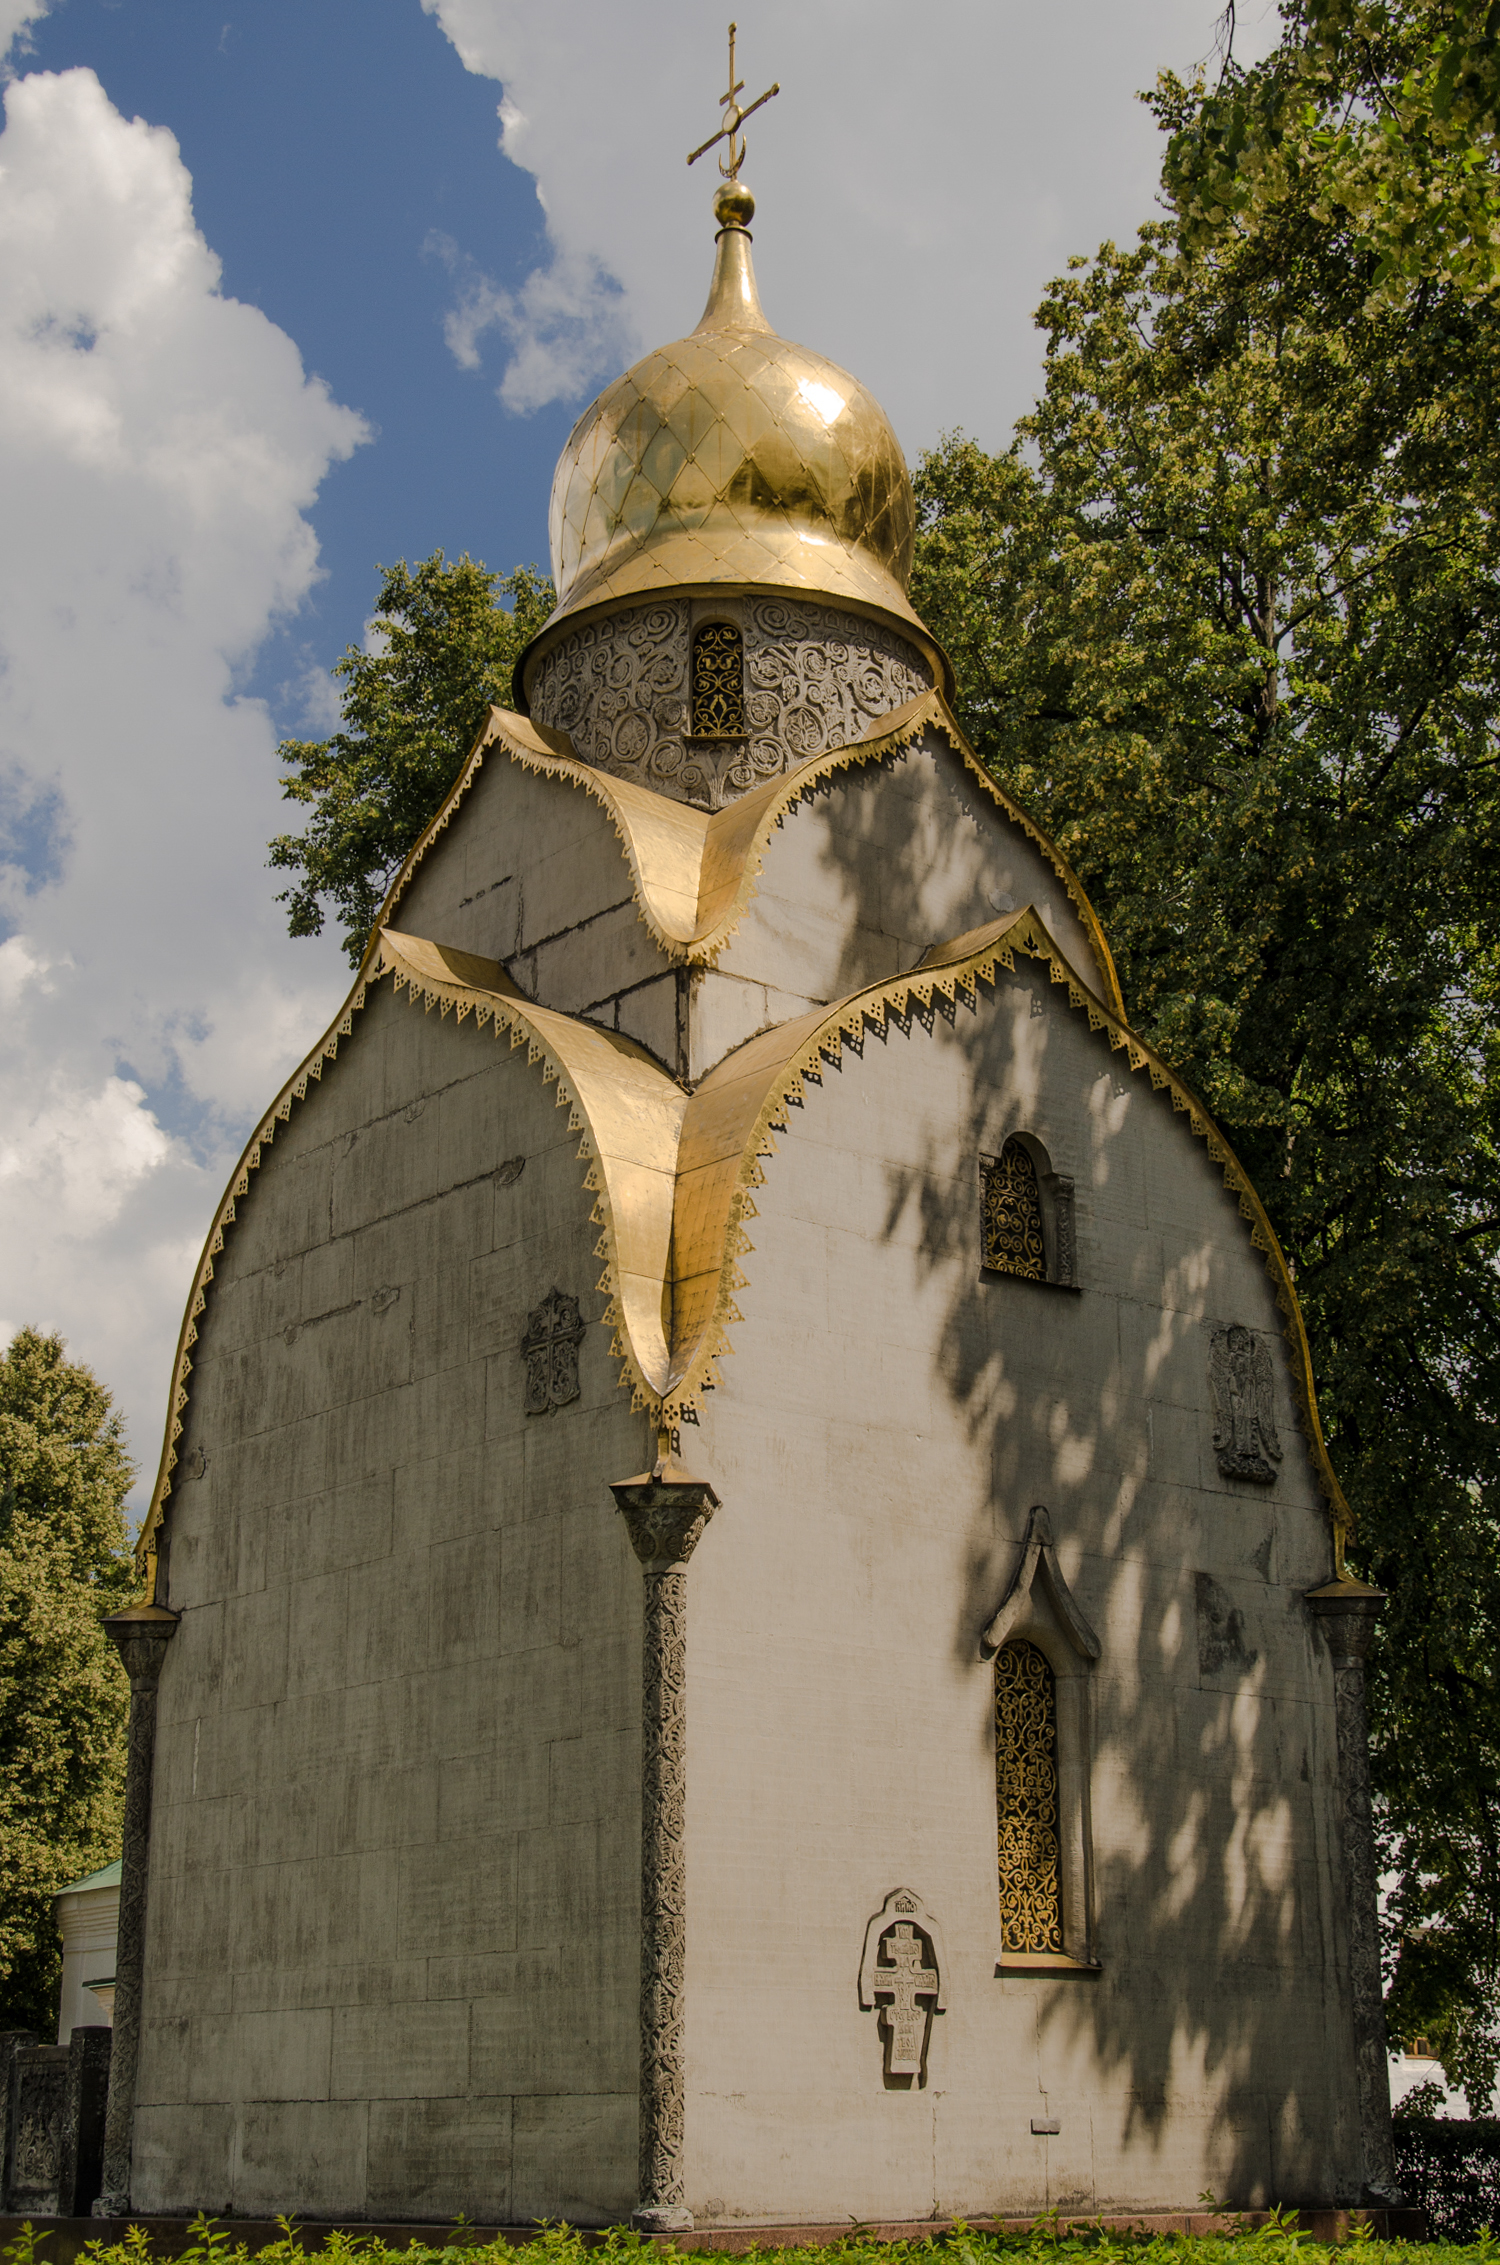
[733, 457]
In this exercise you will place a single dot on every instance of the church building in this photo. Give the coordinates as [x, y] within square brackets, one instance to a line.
[746, 1616]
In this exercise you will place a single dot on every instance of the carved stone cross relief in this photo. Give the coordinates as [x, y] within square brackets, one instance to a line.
[554, 1331]
[901, 1976]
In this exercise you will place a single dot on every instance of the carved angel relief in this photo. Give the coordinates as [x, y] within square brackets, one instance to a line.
[1242, 1378]
[554, 1332]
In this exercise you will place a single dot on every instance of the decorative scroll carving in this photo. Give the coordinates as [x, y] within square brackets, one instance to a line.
[665, 1511]
[1065, 1259]
[718, 682]
[814, 677]
[903, 1965]
[818, 676]
[618, 688]
[1242, 1379]
[1011, 1215]
[1026, 1799]
[554, 1332]
[663, 1886]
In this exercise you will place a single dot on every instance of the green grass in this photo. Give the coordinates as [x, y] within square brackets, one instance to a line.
[1045, 2243]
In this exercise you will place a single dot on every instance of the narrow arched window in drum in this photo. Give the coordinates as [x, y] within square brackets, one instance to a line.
[1026, 1799]
[1012, 1215]
[718, 682]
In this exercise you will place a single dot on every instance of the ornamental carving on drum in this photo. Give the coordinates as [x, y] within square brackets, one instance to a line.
[1011, 1215]
[625, 689]
[1026, 1799]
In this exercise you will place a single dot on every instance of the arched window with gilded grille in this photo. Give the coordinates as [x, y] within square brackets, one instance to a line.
[718, 682]
[1013, 1235]
[1026, 1797]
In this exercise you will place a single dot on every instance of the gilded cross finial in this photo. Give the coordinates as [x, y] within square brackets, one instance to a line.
[734, 119]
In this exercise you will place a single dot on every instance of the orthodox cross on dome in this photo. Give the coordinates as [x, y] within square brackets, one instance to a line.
[734, 118]
[901, 1975]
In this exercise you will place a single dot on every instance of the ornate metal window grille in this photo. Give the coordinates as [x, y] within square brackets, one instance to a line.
[718, 682]
[1026, 1799]
[1012, 1215]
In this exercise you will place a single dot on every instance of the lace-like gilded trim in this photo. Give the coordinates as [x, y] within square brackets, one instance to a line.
[308, 1072]
[950, 974]
[693, 874]
[757, 1085]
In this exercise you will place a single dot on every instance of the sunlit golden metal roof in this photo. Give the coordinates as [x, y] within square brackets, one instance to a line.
[733, 456]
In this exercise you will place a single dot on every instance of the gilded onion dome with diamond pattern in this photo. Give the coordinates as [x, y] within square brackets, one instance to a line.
[733, 457]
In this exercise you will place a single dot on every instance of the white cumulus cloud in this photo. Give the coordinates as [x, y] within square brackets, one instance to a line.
[16, 19]
[160, 446]
[563, 325]
[920, 177]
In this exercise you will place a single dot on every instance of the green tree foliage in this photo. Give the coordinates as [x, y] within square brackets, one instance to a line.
[443, 651]
[64, 1564]
[1380, 117]
[1227, 617]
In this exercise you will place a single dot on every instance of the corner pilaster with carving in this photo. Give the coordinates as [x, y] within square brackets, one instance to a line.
[141, 1636]
[665, 1511]
[1346, 1610]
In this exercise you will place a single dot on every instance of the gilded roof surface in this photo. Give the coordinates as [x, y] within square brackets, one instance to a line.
[733, 456]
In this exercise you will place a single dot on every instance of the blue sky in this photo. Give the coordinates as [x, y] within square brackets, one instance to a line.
[332, 144]
[291, 289]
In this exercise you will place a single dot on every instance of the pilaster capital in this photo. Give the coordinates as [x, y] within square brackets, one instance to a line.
[1347, 1610]
[665, 1510]
[141, 1634]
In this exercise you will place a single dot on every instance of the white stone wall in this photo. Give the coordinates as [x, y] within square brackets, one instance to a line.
[393, 1940]
[857, 883]
[392, 1951]
[886, 1423]
[533, 873]
[884, 861]
[88, 1920]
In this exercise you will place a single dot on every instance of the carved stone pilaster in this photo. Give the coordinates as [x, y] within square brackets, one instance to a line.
[141, 1636]
[1065, 1262]
[665, 1510]
[1346, 1610]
